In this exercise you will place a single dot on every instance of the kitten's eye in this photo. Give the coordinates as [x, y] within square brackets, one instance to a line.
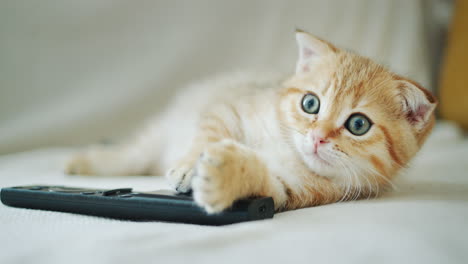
[310, 104]
[358, 124]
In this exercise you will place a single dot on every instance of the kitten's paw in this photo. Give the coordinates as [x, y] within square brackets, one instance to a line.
[180, 177]
[79, 164]
[215, 185]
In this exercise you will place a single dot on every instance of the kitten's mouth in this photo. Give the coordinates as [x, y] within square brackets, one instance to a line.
[320, 158]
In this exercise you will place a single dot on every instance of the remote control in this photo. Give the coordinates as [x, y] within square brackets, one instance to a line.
[124, 203]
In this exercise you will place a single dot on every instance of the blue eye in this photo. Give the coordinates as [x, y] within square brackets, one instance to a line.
[358, 124]
[310, 103]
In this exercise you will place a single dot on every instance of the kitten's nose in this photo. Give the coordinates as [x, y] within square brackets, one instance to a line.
[321, 141]
[318, 139]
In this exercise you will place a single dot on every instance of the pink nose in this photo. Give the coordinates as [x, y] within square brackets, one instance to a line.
[318, 139]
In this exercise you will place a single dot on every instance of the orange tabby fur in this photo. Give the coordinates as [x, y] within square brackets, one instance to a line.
[251, 137]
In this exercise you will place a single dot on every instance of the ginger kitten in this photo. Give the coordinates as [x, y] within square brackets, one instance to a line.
[340, 128]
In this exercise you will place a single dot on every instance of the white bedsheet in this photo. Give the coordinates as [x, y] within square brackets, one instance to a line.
[423, 221]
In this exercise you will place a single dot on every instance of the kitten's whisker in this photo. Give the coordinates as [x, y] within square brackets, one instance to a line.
[377, 188]
[376, 173]
[370, 187]
[358, 185]
[348, 180]
[354, 177]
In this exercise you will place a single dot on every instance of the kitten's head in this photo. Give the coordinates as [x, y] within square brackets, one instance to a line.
[350, 118]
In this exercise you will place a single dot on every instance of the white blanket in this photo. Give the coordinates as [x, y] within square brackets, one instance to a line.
[423, 221]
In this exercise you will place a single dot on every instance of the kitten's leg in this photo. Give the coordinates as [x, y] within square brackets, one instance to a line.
[211, 128]
[180, 175]
[227, 171]
[137, 158]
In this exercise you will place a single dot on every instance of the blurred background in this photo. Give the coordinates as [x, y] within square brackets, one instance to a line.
[76, 72]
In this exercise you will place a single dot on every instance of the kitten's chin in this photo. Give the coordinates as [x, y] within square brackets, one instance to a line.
[319, 164]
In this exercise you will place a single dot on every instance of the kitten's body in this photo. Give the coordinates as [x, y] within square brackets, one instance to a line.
[179, 123]
[246, 134]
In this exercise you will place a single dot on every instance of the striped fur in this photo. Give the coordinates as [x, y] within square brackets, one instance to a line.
[247, 135]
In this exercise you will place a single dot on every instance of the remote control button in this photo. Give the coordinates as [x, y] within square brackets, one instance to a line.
[36, 188]
[262, 209]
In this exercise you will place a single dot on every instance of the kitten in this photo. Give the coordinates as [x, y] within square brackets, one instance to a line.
[339, 129]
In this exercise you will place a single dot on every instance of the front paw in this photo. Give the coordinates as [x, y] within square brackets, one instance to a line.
[180, 177]
[79, 164]
[215, 185]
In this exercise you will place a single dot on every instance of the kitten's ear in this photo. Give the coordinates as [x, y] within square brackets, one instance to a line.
[418, 103]
[310, 49]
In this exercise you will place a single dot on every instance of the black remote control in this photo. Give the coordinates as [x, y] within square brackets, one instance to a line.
[124, 203]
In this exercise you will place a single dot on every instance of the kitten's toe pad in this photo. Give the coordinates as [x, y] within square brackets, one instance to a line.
[213, 186]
